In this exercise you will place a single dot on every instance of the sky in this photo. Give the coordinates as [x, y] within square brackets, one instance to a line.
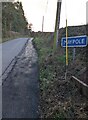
[73, 10]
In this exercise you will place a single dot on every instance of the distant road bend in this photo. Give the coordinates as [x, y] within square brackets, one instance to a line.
[10, 49]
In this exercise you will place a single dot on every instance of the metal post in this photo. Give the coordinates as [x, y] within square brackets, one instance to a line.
[66, 51]
[74, 52]
[66, 44]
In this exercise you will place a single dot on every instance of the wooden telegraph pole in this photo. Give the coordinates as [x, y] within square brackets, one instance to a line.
[66, 51]
[66, 45]
[42, 23]
[56, 32]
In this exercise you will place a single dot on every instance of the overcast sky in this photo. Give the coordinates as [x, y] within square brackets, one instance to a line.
[74, 10]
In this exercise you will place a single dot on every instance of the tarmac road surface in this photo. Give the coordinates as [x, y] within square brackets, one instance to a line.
[20, 91]
[11, 49]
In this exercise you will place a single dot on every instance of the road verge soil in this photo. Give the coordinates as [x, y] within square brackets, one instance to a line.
[60, 98]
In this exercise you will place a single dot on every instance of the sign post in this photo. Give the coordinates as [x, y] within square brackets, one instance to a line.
[77, 41]
[74, 52]
[66, 50]
[66, 45]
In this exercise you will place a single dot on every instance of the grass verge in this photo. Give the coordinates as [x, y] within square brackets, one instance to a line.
[59, 98]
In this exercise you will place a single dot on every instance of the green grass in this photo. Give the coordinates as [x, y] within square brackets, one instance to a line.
[43, 52]
[59, 116]
[61, 59]
[51, 69]
[47, 69]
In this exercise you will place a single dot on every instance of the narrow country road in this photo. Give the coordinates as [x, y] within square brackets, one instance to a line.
[11, 49]
[20, 92]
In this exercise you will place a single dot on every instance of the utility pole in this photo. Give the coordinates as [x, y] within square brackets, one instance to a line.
[56, 33]
[42, 23]
[66, 50]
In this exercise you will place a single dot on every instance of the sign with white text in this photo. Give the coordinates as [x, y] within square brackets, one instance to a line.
[77, 41]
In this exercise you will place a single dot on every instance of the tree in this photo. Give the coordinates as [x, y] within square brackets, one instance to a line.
[13, 18]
